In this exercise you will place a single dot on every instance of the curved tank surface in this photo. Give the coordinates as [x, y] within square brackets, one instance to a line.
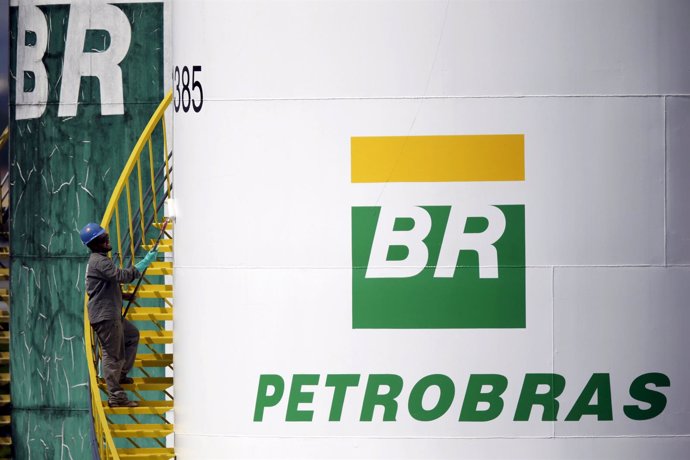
[432, 229]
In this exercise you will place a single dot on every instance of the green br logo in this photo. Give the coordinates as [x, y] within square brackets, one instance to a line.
[416, 266]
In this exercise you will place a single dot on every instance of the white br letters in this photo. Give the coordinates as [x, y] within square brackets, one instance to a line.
[103, 65]
[455, 240]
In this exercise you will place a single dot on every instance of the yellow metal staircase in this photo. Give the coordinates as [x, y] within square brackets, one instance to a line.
[135, 215]
[5, 398]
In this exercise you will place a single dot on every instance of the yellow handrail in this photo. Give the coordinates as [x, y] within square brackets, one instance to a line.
[104, 438]
[100, 423]
[158, 115]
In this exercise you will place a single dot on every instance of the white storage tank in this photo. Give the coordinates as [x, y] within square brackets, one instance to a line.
[432, 229]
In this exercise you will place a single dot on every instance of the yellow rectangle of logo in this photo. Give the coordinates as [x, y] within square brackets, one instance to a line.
[468, 158]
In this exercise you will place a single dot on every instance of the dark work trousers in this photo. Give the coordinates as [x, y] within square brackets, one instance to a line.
[119, 340]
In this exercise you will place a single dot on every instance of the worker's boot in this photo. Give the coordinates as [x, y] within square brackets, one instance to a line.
[120, 399]
[123, 403]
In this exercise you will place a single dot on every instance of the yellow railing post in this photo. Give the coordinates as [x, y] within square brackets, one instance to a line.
[129, 221]
[119, 238]
[4, 137]
[141, 202]
[153, 178]
[165, 146]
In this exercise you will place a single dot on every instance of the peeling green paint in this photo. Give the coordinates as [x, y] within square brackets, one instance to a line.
[50, 433]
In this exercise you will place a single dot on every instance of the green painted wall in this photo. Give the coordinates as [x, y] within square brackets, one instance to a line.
[63, 170]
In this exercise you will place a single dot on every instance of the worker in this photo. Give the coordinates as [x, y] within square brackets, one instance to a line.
[118, 337]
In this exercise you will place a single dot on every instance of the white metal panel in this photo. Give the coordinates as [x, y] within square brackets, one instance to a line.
[293, 49]
[208, 447]
[293, 320]
[280, 175]
[678, 186]
[630, 321]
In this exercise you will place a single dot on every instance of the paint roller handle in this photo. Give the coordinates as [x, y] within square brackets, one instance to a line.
[133, 295]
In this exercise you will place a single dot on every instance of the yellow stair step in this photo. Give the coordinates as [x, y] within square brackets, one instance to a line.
[153, 360]
[162, 248]
[4, 251]
[5, 420]
[4, 337]
[160, 268]
[4, 295]
[4, 316]
[4, 273]
[147, 453]
[5, 441]
[165, 245]
[145, 408]
[159, 225]
[150, 314]
[4, 357]
[144, 384]
[142, 430]
[151, 291]
[149, 384]
[4, 400]
[4, 378]
[155, 337]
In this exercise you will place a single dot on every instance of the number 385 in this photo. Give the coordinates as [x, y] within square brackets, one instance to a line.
[187, 87]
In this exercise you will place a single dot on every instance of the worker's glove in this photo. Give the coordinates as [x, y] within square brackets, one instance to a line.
[144, 263]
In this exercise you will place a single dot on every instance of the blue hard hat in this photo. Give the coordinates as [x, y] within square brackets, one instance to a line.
[90, 232]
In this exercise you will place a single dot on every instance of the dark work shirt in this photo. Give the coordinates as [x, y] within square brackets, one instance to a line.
[103, 280]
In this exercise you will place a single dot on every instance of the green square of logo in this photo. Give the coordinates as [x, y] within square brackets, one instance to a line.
[429, 301]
